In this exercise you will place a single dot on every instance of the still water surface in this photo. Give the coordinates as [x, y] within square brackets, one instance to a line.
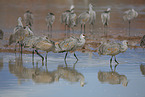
[19, 77]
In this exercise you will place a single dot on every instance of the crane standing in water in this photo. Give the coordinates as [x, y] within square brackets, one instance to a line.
[50, 18]
[28, 18]
[39, 43]
[70, 45]
[129, 15]
[112, 49]
[105, 16]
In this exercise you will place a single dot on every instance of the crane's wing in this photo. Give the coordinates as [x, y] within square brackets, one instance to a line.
[68, 44]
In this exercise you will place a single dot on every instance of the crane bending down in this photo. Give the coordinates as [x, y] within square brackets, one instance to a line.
[70, 45]
[28, 18]
[112, 49]
[50, 18]
[129, 15]
[39, 43]
[105, 16]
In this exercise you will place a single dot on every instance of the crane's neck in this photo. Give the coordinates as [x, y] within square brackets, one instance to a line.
[81, 41]
[90, 9]
[20, 23]
[124, 47]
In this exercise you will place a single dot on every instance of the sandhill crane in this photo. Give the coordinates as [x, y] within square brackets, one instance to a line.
[70, 45]
[105, 16]
[83, 18]
[19, 34]
[92, 16]
[129, 15]
[112, 49]
[50, 18]
[70, 74]
[72, 20]
[28, 18]
[65, 17]
[142, 42]
[19, 26]
[39, 43]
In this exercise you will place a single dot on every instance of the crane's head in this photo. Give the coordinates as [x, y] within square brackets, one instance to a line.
[20, 21]
[132, 9]
[90, 5]
[72, 7]
[125, 42]
[82, 35]
[108, 9]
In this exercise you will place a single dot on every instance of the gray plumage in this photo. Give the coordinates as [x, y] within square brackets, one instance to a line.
[83, 18]
[72, 20]
[68, 17]
[19, 34]
[39, 43]
[92, 15]
[112, 49]
[142, 42]
[28, 18]
[50, 18]
[70, 45]
[105, 16]
[129, 15]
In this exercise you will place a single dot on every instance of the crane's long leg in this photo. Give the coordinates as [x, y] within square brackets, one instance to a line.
[129, 27]
[21, 48]
[104, 29]
[111, 60]
[65, 56]
[76, 56]
[81, 27]
[46, 58]
[39, 55]
[15, 47]
[116, 60]
[48, 28]
[111, 63]
[33, 57]
[84, 28]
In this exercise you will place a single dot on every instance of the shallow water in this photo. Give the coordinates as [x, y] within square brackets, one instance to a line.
[17, 75]
[20, 77]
